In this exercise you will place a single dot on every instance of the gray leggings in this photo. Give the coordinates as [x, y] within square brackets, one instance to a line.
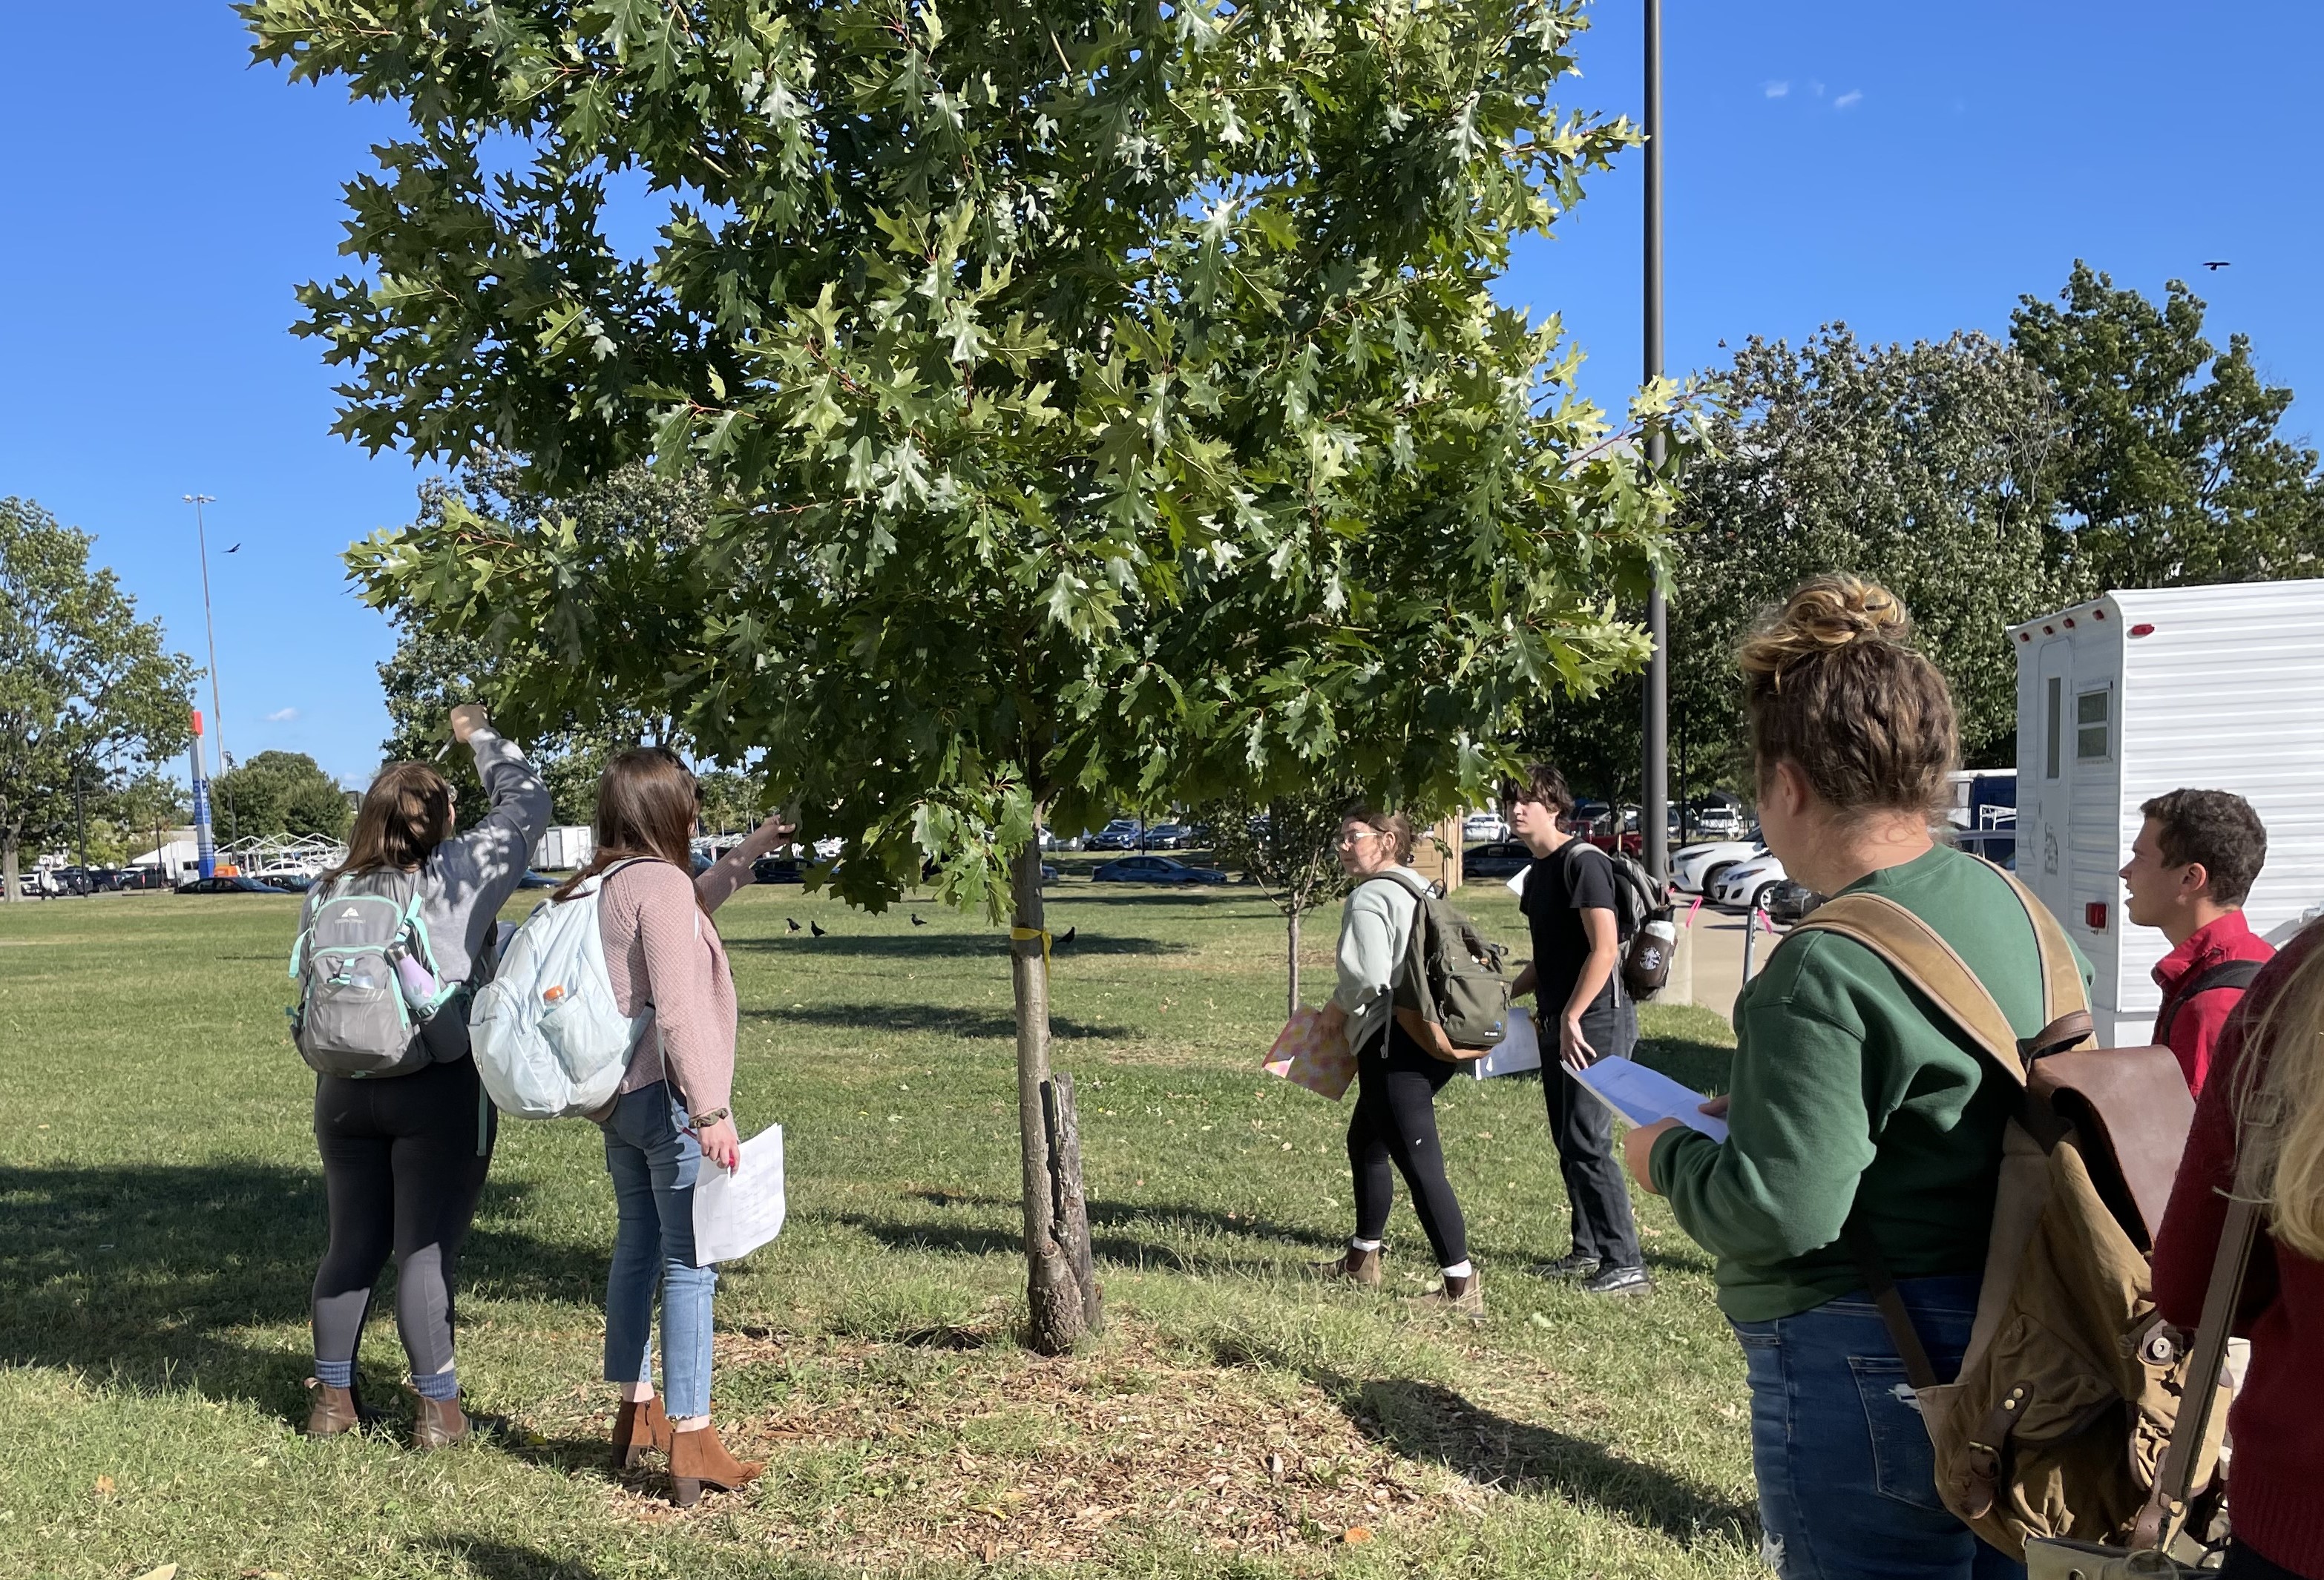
[404, 1159]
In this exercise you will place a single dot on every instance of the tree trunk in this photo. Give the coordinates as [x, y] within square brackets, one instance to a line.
[8, 869]
[1061, 1308]
[1291, 1002]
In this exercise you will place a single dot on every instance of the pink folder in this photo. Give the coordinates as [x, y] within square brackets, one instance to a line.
[1303, 1056]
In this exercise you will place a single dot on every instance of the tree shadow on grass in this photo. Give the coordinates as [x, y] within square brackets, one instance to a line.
[1428, 1421]
[487, 1559]
[148, 1274]
[1120, 1234]
[932, 1019]
[918, 945]
[1706, 1066]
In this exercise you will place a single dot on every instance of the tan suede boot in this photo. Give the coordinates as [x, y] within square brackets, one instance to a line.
[437, 1423]
[637, 1426]
[333, 1411]
[697, 1459]
[1463, 1297]
[1357, 1267]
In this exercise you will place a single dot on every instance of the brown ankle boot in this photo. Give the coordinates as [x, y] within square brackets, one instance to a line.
[639, 1426]
[1358, 1267]
[697, 1459]
[437, 1423]
[333, 1411]
[1463, 1297]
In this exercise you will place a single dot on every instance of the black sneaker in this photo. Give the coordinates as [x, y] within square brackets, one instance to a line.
[1573, 1265]
[1618, 1281]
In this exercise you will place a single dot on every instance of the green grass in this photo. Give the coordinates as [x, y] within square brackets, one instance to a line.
[160, 1216]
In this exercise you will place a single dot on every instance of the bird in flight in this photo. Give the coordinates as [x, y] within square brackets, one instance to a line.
[2215, 264]
[791, 924]
[816, 928]
[915, 920]
[236, 549]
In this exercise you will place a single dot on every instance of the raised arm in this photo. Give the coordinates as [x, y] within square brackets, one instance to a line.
[716, 883]
[499, 847]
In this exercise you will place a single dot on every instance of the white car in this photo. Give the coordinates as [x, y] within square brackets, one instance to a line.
[1483, 827]
[1746, 884]
[1696, 868]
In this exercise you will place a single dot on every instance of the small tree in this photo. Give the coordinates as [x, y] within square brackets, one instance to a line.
[82, 680]
[1291, 850]
[1109, 400]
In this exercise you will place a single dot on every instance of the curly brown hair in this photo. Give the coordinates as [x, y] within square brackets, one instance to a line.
[2217, 828]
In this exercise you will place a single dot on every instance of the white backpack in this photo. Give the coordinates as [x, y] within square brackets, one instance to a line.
[547, 1037]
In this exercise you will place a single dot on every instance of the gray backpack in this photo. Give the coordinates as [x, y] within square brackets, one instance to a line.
[1452, 995]
[353, 1018]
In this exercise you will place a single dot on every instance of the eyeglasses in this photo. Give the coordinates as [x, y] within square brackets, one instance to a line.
[1347, 840]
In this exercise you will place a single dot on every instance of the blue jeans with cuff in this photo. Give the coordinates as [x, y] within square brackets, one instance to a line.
[1846, 1477]
[654, 1160]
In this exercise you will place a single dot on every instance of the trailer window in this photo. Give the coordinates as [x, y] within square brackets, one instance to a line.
[2092, 711]
[2057, 706]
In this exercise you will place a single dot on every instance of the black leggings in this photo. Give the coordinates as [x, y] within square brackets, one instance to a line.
[404, 1159]
[1394, 1122]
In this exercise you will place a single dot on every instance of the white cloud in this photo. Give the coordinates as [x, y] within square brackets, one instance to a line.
[1848, 100]
[1778, 89]
[1816, 88]
[282, 715]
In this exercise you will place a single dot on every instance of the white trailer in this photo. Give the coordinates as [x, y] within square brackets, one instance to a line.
[2136, 694]
[564, 847]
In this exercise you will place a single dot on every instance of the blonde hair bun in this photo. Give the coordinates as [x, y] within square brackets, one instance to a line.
[1825, 614]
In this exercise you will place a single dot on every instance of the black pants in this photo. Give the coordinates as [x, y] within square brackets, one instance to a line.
[2246, 1562]
[1583, 1127]
[404, 1159]
[1394, 1122]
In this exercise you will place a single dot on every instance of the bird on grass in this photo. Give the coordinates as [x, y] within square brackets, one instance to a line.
[915, 920]
[816, 928]
[1066, 940]
[794, 927]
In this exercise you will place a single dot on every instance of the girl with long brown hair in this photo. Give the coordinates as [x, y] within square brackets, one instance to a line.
[404, 1156]
[675, 1105]
[2259, 1128]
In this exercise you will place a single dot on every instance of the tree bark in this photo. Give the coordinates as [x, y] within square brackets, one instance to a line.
[1072, 1207]
[8, 854]
[1059, 1319]
[1291, 1003]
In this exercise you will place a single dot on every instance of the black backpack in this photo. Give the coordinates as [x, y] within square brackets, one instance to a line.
[1639, 903]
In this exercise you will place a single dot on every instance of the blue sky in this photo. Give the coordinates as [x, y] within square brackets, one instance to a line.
[1908, 168]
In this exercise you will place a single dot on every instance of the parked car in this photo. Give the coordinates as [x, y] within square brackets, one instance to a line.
[532, 880]
[292, 882]
[1156, 869]
[1501, 859]
[1748, 884]
[1696, 868]
[1120, 834]
[237, 883]
[1051, 840]
[777, 866]
[1488, 826]
[1169, 836]
[145, 877]
[1716, 820]
[1790, 900]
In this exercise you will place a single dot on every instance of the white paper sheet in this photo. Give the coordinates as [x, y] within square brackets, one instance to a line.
[735, 1214]
[1517, 880]
[1519, 1049]
[1644, 1095]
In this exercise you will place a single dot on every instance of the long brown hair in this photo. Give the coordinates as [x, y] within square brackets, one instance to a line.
[647, 803]
[1395, 826]
[1833, 685]
[406, 814]
[2285, 1058]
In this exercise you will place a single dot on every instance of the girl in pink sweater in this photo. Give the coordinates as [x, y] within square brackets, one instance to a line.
[674, 1108]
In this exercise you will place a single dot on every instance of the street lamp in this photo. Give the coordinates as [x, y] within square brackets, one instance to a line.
[1657, 722]
[201, 541]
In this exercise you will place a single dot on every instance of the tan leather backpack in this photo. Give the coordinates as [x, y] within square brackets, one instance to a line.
[2058, 1420]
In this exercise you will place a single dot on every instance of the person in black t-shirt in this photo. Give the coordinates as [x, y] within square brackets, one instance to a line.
[1580, 1011]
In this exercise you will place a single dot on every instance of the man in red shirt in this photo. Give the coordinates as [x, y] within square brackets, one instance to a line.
[2190, 870]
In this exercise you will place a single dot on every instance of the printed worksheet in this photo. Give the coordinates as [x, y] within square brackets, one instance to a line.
[735, 1214]
[1644, 1095]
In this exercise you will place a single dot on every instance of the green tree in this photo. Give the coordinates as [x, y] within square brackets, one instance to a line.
[285, 793]
[1107, 401]
[2176, 472]
[1291, 850]
[83, 681]
[145, 806]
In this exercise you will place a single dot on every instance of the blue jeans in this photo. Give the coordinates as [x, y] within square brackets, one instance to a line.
[1846, 1477]
[654, 1159]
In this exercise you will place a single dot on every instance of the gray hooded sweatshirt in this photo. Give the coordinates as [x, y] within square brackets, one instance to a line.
[466, 879]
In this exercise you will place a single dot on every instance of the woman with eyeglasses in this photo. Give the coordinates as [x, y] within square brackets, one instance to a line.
[674, 1108]
[1397, 1080]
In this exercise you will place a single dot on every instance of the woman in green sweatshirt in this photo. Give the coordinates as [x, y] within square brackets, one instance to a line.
[1852, 1095]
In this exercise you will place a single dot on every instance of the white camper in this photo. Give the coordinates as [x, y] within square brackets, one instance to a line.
[2139, 692]
[564, 847]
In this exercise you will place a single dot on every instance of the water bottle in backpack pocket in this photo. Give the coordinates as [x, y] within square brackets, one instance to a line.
[360, 938]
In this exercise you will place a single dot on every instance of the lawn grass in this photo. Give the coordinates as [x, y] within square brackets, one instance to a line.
[160, 1217]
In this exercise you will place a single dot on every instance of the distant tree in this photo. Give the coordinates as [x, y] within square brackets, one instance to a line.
[83, 681]
[285, 793]
[1109, 400]
[732, 801]
[1290, 849]
[2175, 471]
[145, 806]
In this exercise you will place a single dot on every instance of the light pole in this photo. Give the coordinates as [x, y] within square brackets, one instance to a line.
[201, 541]
[1656, 731]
